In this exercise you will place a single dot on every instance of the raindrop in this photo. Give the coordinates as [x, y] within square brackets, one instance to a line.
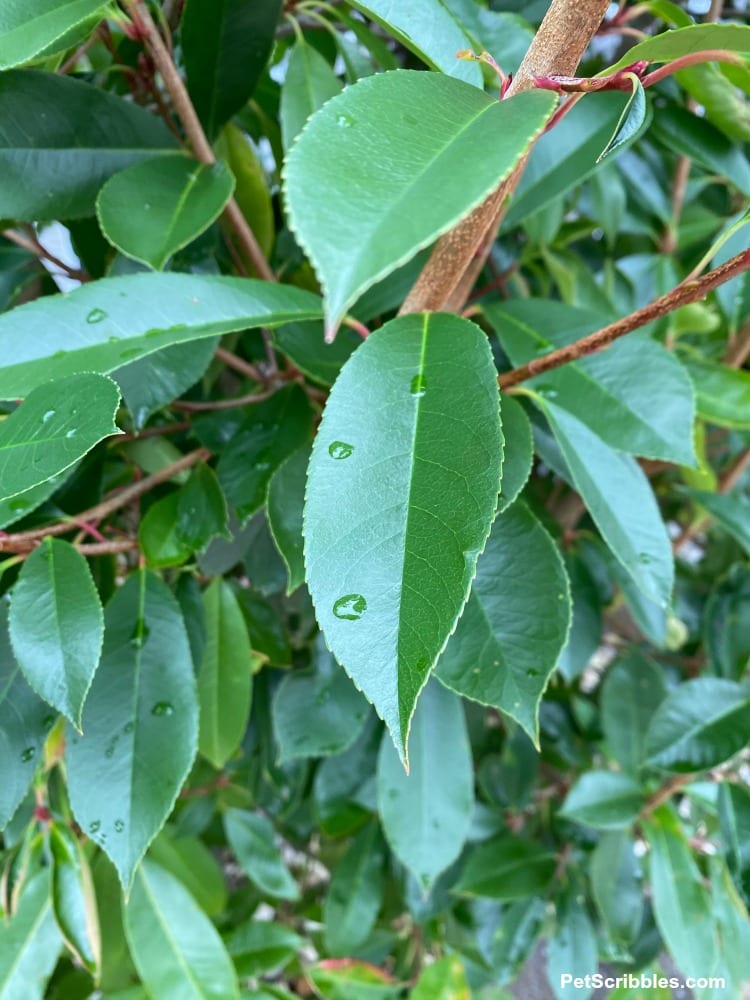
[110, 751]
[95, 826]
[28, 754]
[71, 433]
[140, 633]
[162, 708]
[543, 347]
[532, 673]
[18, 505]
[119, 825]
[546, 391]
[48, 416]
[340, 449]
[418, 385]
[96, 316]
[350, 607]
[344, 121]
[644, 557]
[128, 727]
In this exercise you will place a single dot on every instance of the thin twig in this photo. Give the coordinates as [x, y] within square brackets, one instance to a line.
[738, 349]
[665, 793]
[222, 404]
[238, 364]
[159, 431]
[31, 243]
[683, 294]
[199, 143]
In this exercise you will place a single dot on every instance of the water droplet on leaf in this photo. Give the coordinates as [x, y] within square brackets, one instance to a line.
[350, 607]
[162, 708]
[28, 754]
[18, 505]
[119, 825]
[418, 385]
[344, 121]
[95, 826]
[71, 433]
[340, 449]
[96, 316]
[48, 416]
[546, 391]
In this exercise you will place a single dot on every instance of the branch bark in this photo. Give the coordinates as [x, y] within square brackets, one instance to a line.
[459, 255]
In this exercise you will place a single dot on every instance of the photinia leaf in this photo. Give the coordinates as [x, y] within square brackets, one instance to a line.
[394, 140]
[401, 493]
[252, 838]
[507, 867]
[55, 426]
[633, 120]
[286, 500]
[445, 979]
[27, 27]
[606, 800]
[29, 943]
[685, 41]
[73, 899]
[616, 886]
[308, 84]
[632, 690]
[356, 893]
[56, 626]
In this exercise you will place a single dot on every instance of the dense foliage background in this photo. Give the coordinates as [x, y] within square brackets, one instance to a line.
[231, 548]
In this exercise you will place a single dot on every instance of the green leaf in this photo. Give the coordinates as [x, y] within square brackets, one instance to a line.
[158, 535]
[725, 106]
[308, 84]
[56, 626]
[355, 893]
[620, 500]
[29, 944]
[428, 30]
[390, 571]
[395, 141]
[317, 712]
[261, 946]
[201, 509]
[225, 675]
[346, 979]
[518, 453]
[445, 979]
[725, 624]
[73, 899]
[681, 904]
[286, 501]
[734, 815]
[584, 637]
[25, 721]
[507, 868]
[682, 131]
[116, 320]
[616, 887]
[140, 724]
[572, 949]
[21, 504]
[251, 188]
[605, 800]
[191, 861]
[612, 392]
[700, 724]
[270, 433]
[150, 210]
[516, 621]
[54, 164]
[177, 950]
[252, 839]
[507, 36]
[632, 690]
[671, 45]
[515, 938]
[266, 628]
[304, 345]
[633, 120]
[53, 428]
[426, 813]
[722, 393]
[731, 510]
[29, 26]
[226, 46]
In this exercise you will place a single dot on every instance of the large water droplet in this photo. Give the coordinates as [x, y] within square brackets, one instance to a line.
[28, 754]
[140, 633]
[350, 607]
[162, 708]
[344, 121]
[119, 825]
[48, 415]
[340, 449]
[418, 385]
[96, 316]
[71, 433]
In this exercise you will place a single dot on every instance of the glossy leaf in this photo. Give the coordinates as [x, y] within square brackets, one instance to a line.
[681, 904]
[152, 209]
[252, 839]
[731, 510]
[508, 639]
[445, 979]
[201, 509]
[139, 724]
[685, 41]
[346, 979]
[29, 26]
[355, 893]
[177, 950]
[726, 627]
[226, 46]
[390, 572]
[286, 501]
[734, 815]
[108, 323]
[308, 84]
[616, 886]
[73, 900]
[507, 868]
[56, 626]
[317, 712]
[52, 429]
[251, 188]
[572, 949]
[191, 861]
[606, 800]
[54, 165]
[427, 29]
[225, 675]
[304, 345]
[425, 814]
[261, 946]
[518, 452]
[354, 152]
[632, 690]
[633, 120]
[722, 393]
[25, 721]
[158, 535]
[699, 724]
[620, 500]
[29, 944]
[681, 130]
[612, 392]
[268, 634]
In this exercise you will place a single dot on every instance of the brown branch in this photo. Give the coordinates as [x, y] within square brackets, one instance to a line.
[200, 145]
[238, 364]
[683, 294]
[31, 243]
[557, 48]
[665, 793]
[22, 540]
[223, 404]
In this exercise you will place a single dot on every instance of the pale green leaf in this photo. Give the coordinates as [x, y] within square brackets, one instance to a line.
[445, 979]
[722, 393]
[27, 27]
[632, 690]
[606, 800]
[252, 839]
[507, 868]
[308, 84]
[572, 948]
[616, 886]
[401, 493]
[29, 944]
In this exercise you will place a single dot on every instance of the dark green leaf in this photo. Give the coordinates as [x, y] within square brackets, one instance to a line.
[53, 163]
[731, 510]
[308, 84]
[201, 509]
[158, 535]
[632, 690]
[698, 725]
[226, 46]
[606, 800]
[251, 837]
[177, 950]
[390, 571]
[354, 152]
[507, 868]
[317, 712]
[671, 45]
[29, 944]
[73, 900]
[191, 861]
[140, 724]
[116, 320]
[518, 452]
[682, 131]
[150, 210]
[304, 345]
[29, 26]
[734, 814]
[722, 394]
[56, 626]
[21, 504]
[508, 639]
[633, 120]
[267, 631]
[616, 887]
[286, 500]
[261, 946]
[726, 625]
[426, 813]
[355, 894]
[585, 632]
[53, 428]
[572, 949]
